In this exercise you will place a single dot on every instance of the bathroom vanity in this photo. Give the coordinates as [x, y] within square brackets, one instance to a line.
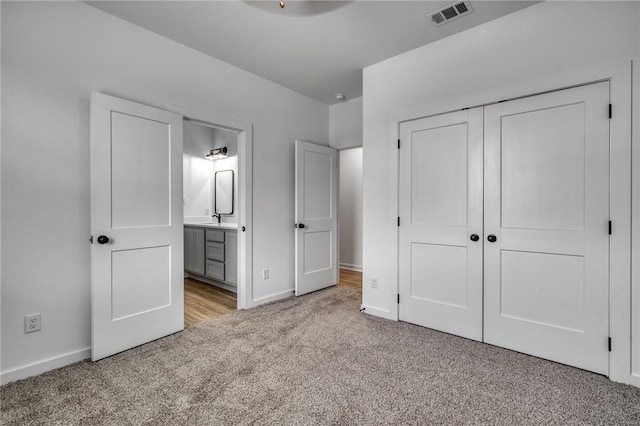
[211, 253]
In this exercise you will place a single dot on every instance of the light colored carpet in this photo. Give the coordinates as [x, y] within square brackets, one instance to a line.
[317, 360]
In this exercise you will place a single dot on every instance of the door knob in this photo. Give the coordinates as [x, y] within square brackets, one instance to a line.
[492, 238]
[301, 225]
[103, 239]
[474, 237]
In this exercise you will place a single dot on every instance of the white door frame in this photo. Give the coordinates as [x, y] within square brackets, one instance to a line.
[619, 75]
[245, 194]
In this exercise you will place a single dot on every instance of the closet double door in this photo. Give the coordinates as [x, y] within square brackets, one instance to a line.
[504, 225]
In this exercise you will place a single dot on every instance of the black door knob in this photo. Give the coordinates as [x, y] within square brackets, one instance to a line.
[103, 239]
[492, 238]
[474, 237]
[301, 225]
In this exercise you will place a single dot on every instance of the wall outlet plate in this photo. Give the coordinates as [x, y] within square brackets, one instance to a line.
[374, 282]
[32, 323]
[265, 274]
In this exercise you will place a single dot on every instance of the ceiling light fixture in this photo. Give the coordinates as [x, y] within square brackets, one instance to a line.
[341, 96]
[217, 154]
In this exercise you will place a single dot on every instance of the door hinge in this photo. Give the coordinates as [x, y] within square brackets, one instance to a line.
[398, 143]
[398, 298]
[610, 227]
[609, 344]
[398, 220]
[610, 111]
[91, 239]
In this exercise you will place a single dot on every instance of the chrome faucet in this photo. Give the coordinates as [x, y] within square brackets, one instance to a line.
[217, 216]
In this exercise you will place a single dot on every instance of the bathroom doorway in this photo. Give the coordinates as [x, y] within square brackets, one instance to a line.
[210, 211]
[218, 256]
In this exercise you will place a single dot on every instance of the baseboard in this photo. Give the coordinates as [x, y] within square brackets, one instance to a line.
[220, 284]
[383, 313]
[351, 267]
[272, 298]
[43, 366]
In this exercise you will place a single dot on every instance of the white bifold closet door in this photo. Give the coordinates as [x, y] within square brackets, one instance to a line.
[547, 203]
[535, 189]
[440, 209]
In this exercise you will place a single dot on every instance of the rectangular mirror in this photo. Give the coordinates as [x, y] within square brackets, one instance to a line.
[224, 192]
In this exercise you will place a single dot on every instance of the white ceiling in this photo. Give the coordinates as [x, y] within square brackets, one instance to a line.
[314, 48]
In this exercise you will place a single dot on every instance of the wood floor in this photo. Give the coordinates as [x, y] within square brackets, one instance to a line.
[351, 278]
[204, 301]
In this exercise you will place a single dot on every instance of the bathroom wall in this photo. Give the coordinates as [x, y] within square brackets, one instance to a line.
[230, 140]
[199, 172]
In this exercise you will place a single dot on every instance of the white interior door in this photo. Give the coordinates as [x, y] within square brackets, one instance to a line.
[547, 205]
[136, 224]
[440, 235]
[316, 217]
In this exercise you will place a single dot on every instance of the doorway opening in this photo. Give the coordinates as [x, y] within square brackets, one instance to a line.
[210, 211]
[350, 217]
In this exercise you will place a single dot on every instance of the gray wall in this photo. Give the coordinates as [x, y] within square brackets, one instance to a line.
[345, 124]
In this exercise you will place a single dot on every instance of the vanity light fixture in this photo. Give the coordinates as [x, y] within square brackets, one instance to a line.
[282, 4]
[340, 96]
[216, 154]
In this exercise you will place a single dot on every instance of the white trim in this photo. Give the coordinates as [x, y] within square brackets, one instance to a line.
[351, 267]
[43, 366]
[245, 194]
[272, 298]
[620, 76]
[378, 312]
[635, 209]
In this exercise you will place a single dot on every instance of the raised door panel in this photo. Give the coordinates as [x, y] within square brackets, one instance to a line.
[439, 176]
[543, 168]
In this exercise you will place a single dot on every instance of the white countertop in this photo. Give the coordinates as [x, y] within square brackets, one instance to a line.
[222, 225]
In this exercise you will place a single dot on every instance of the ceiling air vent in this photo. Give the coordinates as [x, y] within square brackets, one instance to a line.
[450, 12]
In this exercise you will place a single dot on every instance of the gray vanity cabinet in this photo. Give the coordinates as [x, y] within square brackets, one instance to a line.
[212, 253]
[194, 250]
[231, 257]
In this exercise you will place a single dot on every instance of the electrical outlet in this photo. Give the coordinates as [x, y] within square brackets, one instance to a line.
[265, 274]
[32, 323]
[184, 201]
[374, 282]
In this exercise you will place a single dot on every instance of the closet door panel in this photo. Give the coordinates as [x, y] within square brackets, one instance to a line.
[440, 207]
[547, 203]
